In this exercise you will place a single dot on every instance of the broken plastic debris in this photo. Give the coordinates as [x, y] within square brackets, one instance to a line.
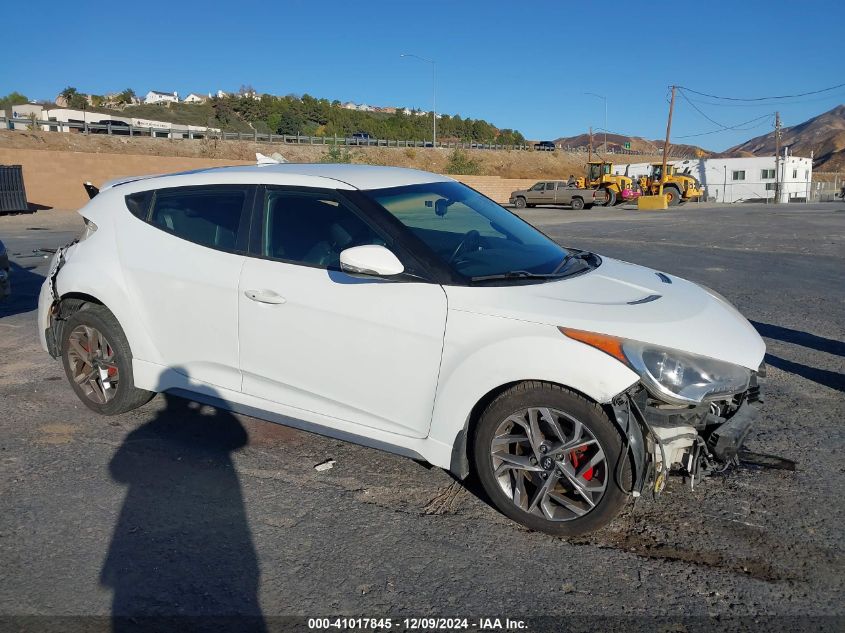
[326, 465]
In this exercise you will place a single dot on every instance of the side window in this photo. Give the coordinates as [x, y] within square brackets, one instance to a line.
[311, 228]
[209, 216]
[139, 204]
[550, 186]
[537, 187]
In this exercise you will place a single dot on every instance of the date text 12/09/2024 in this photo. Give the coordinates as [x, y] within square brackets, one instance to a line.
[415, 624]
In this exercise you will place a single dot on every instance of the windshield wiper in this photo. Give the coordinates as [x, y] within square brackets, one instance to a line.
[582, 255]
[516, 274]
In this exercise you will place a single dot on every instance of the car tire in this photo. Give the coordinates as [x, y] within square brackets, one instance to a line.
[94, 346]
[577, 204]
[563, 512]
[610, 197]
[519, 203]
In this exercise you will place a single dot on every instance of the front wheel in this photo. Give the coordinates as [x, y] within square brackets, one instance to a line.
[520, 203]
[609, 197]
[548, 458]
[673, 196]
[98, 362]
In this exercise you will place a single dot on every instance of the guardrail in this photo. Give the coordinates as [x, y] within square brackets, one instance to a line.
[122, 129]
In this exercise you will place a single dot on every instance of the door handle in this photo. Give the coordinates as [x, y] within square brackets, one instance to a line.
[264, 296]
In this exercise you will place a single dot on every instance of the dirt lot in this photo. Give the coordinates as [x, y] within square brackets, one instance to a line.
[507, 164]
[178, 509]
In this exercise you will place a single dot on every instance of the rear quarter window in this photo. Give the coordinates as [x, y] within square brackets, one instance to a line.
[213, 216]
[139, 204]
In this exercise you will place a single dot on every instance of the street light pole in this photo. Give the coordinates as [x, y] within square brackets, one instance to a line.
[593, 94]
[434, 92]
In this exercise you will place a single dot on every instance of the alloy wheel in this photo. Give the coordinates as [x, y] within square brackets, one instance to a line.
[93, 365]
[549, 464]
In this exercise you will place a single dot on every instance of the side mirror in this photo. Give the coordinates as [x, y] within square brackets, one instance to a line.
[370, 259]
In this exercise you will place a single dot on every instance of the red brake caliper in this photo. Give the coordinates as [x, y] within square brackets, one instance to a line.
[575, 457]
[111, 370]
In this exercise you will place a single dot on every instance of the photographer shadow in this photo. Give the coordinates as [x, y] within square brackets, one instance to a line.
[182, 555]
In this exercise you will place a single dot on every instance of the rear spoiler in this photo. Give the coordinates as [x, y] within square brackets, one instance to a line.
[90, 189]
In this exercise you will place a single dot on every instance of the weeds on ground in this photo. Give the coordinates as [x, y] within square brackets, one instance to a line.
[461, 163]
[336, 154]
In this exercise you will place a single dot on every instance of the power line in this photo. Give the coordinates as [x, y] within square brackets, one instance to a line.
[803, 94]
[763, 104]
[739, 127]
[713, 121]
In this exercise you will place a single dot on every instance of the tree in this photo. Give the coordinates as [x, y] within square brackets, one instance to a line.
[73, 98]
[126, 97]
[12, 99]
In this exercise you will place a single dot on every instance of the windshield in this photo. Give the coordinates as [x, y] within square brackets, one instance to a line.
[472, 234]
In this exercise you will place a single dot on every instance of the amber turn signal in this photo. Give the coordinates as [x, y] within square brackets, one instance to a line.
[608, 344]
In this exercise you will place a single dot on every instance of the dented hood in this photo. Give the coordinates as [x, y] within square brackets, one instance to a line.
[628, 301]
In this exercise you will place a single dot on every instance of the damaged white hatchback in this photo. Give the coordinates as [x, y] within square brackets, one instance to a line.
[404, 311]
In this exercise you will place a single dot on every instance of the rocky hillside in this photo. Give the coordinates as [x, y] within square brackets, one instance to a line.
[824, 135]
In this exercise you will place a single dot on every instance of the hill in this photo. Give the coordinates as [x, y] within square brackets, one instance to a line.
[824, 135]
[616, 143]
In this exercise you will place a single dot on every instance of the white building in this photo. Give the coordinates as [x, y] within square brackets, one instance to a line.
[741, 179]
[194, 98]
[154, 96]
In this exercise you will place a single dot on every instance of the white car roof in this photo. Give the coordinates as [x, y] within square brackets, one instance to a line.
[313, 174]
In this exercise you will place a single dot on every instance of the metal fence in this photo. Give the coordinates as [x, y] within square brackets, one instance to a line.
[120, 128]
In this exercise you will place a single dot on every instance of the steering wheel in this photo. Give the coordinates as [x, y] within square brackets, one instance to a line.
[469, 241]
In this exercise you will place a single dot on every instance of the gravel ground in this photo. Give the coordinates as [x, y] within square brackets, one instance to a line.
[177, 509]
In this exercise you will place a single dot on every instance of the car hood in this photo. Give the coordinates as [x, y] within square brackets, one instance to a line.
[628, 301]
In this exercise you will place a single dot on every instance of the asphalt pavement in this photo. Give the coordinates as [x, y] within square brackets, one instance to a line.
[180, 509]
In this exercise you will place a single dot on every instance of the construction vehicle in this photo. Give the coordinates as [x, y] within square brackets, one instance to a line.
[616, 188]
[678, 187]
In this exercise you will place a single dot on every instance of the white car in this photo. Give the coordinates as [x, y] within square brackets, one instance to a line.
[404, 311]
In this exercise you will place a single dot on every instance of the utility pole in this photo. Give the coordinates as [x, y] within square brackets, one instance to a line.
[666, 143]
[590, 150]
[777, 157]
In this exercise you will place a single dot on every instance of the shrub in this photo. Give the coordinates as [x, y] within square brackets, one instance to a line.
[461, 163]
[336, 155]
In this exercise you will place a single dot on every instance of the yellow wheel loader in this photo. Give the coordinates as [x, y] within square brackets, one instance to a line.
[678, 187]
[616, 188]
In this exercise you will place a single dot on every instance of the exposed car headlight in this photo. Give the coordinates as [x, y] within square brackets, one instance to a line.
[671, 375]
[684, 378]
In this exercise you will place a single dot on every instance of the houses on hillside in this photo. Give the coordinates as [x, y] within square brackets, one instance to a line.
[154, 96]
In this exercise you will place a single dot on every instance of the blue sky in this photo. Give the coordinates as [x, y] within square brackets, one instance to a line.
[517, 64]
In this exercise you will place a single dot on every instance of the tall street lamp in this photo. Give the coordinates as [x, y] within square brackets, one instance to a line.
[434, 87]
[593, 94]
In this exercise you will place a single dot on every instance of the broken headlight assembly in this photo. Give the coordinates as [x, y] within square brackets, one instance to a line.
[671, 375]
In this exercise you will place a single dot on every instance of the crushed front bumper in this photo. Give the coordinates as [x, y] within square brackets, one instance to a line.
[691, 440]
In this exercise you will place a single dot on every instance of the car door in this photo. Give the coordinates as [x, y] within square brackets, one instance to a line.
[563, 193]
[548, 196]
[357, 349]
[535, 194]
[182, 262]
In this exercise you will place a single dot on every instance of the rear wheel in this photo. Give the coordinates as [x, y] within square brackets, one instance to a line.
[577, 203]
[98, 362]
[547, 457]
[520, 203]
[609, 197]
